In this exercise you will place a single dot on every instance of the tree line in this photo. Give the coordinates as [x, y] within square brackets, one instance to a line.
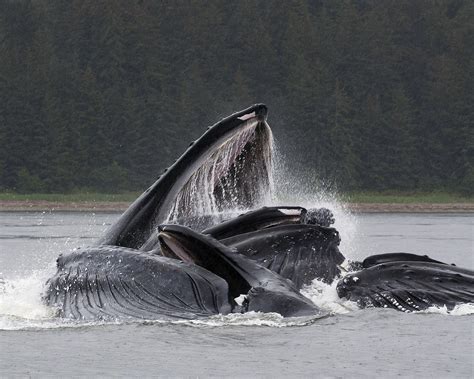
[102, 95]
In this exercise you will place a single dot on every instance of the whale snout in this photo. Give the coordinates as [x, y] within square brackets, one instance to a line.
[261, 112]
[346, 286]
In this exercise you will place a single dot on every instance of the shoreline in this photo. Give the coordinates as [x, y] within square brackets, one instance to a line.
[111, 206]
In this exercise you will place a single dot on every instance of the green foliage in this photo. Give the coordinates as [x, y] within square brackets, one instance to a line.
[28, 182]
[467, 184]
[110, 179]
[370, 95]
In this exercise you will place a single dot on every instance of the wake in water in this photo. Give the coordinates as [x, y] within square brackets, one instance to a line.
[21, 308]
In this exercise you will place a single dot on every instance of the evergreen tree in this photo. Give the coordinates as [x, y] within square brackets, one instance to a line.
[100, 95]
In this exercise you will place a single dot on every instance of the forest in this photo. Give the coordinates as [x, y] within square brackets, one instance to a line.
[99, 95]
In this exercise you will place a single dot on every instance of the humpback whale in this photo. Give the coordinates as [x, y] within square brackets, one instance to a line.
[114, 282]
[407, 282]
[197, 276]
[298, 252]
[265, 290]
[294, 242]
[228, 167]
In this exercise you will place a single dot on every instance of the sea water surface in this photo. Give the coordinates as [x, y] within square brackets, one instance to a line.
[349, 343]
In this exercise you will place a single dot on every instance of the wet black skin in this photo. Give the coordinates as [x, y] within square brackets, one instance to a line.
[255, 220]
[266, 291]
[197, 277]
[396, 257]
[298, 252]
[267, 217]
[231, 224]
[410, 285]
[286, 240]
[113, 282]
[280, 239]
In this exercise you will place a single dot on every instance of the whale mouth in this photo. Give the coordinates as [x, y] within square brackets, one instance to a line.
[181, 243]
[235, 174]
[172, 248]
[227, 169]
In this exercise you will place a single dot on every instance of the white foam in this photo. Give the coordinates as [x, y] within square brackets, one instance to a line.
[345, 222]
[21, 304]
[458, 310]
[251, 319]
[325, 297]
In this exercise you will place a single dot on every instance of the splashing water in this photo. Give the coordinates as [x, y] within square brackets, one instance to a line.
[21, 304]
[237, 174]
[249, 169]
[251, 319]
[458, 310]
[293, 189]
[325, 296]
